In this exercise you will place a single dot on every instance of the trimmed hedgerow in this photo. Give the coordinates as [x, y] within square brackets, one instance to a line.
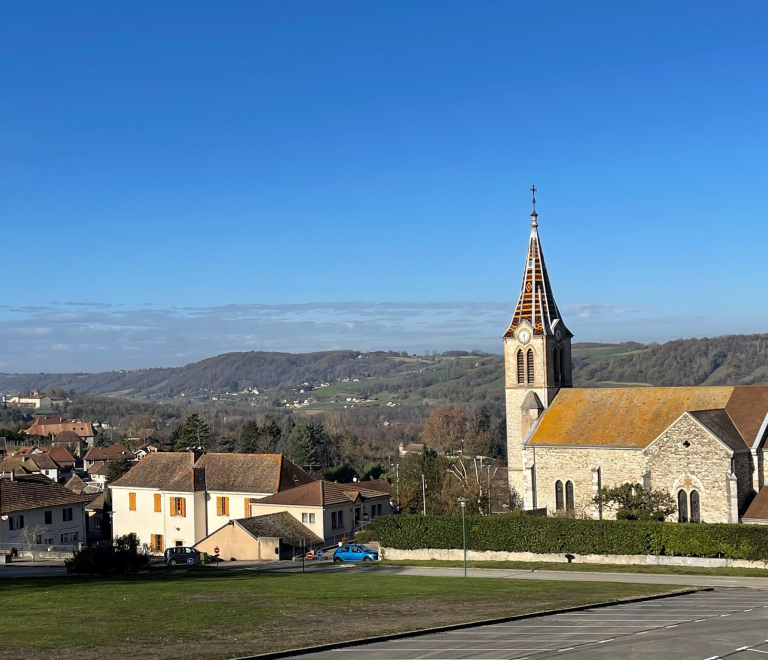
[522, 533]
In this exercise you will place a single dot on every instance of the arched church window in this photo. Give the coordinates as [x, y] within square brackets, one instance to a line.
[559, 495]
[682, 506]
[556, 360]
[695, 507]
[529, 360]
[561, 359]
[569, 495]
[520, 368]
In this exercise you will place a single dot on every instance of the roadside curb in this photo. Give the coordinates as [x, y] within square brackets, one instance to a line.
[275, 655]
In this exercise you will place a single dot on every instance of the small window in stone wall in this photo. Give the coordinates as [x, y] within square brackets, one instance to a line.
[569, 503]
[686, 443]
[682, 506]
[559, 495]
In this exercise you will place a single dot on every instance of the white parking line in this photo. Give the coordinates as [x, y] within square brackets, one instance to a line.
[755, 650]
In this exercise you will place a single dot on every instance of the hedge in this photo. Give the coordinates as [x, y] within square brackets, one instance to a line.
[523, 533]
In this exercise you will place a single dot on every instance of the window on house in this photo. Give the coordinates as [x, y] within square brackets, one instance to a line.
[529, 360]
[179, 507]
[341, 519]
[695, 507]
[222, 506]
[378, 509]
[682, 506]
[156, 543]
[68, 537]
[16, 522]
[158, 502]
[520, 368]
[304, 517]
[311, 517]
[66, 514]
[559, 495]
[96, 522]
[333, 520]
[49, 517]
[569, 496]
[132, 501]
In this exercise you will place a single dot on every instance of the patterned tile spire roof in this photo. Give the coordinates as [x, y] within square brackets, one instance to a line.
[536, 303]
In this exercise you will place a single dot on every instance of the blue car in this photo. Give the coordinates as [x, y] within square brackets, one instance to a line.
[355, 552]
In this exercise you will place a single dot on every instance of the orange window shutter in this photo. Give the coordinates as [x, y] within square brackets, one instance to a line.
[247, 507]
[160, 543]
[173, 506]
[183, 507]
[157, 501]
[226, 506]
[218, 506]
[132, 501]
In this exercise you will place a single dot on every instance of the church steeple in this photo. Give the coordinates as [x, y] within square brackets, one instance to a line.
[536, 303]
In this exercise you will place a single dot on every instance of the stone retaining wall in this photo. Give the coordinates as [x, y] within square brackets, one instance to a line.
[627, 560]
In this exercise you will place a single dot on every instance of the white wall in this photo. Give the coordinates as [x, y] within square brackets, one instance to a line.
[237, 508]
[52, 532]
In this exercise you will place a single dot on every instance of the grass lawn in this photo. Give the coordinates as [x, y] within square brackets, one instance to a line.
[217, 615]
[596, 568]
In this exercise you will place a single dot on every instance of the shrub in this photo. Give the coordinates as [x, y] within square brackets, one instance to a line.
[125, 556]
[522, 533]
[365, 536]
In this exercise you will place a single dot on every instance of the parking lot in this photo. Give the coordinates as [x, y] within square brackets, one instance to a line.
[729, 623]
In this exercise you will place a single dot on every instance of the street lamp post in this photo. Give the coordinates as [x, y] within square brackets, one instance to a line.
[463, 503]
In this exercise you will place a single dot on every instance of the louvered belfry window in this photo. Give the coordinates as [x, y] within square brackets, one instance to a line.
[520, 368]
[529, 358]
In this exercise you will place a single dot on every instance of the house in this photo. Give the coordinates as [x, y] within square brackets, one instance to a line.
[703, 446]
[63, 458]
[98, 472]
[410, 448]
[168, 498]
[35, 510]
[70, 441]
[114, 452]
[38, 463]
[38, 400]
[52, 425]
[94, 518]
[269, 537]
[331, 511]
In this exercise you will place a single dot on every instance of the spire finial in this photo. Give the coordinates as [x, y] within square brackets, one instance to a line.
[534, 215]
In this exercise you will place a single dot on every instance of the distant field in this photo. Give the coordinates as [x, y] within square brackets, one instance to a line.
[214, 615]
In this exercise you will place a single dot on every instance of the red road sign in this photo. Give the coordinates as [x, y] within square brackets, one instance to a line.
[216, 550]
[310, 554]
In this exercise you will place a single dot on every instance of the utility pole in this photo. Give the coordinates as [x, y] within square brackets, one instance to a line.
[424, 493]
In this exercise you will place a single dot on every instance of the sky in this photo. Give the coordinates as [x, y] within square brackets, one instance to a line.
[181, 179]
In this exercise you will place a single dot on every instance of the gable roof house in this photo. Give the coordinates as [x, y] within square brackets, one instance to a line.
[331, 511]
[70, 441]
[38, 511]
[111, 453]
[168, 498]
[267, 538]
[48, 425]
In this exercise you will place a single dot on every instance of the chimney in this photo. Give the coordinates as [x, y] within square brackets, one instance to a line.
[530, 411]
[13, 475]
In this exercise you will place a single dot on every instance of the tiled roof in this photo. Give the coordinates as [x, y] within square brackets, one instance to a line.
[60, 455]
[58, 424]
[33, 492]
[758, 507]
[536, 303]
[321, 493]
[635, 416]
[381, 485]
[98, 468]
[111, 453]
[281, 525]
[75, 484]
[414, 447]
[97, 503]
[719, 424]
[42, 461]
[251, 473]
[164, 471]
[11, 463]
[67, 437]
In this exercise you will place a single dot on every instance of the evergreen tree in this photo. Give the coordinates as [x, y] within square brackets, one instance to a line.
[194, 432]
[301, 448]
[248, 440]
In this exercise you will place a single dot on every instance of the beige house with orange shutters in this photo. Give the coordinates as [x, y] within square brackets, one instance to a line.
[170, 499]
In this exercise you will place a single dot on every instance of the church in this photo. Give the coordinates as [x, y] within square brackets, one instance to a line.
[703, 445]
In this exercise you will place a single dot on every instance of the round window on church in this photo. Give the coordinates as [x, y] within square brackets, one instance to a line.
[686, 444]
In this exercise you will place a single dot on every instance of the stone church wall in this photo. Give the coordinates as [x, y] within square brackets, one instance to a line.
[575, 464]
[703, 465]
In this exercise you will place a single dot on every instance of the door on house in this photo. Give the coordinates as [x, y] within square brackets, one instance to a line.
[357, 517]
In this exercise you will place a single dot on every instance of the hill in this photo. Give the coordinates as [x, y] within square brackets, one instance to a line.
[332, 378]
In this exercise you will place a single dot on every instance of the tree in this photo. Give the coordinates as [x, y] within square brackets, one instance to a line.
[102, 439]
[301, 449]
[633, 502]
[433, 467]
[247, 441]
[193, 432]
[445, 429]
[116, 469]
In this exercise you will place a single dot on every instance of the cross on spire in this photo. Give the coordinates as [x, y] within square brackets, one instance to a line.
[534, 215]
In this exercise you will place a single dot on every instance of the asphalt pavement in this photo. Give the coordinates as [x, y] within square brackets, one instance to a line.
[731, 623]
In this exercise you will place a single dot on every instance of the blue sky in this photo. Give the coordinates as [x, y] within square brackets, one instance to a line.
[180, 179]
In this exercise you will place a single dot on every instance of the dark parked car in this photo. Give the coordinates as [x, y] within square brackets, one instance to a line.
[355, 552]
[181, 555]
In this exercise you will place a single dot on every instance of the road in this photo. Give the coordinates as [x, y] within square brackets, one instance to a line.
[26, 568]
[702, 626]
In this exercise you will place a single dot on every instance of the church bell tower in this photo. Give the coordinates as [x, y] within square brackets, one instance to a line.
[537, 358]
